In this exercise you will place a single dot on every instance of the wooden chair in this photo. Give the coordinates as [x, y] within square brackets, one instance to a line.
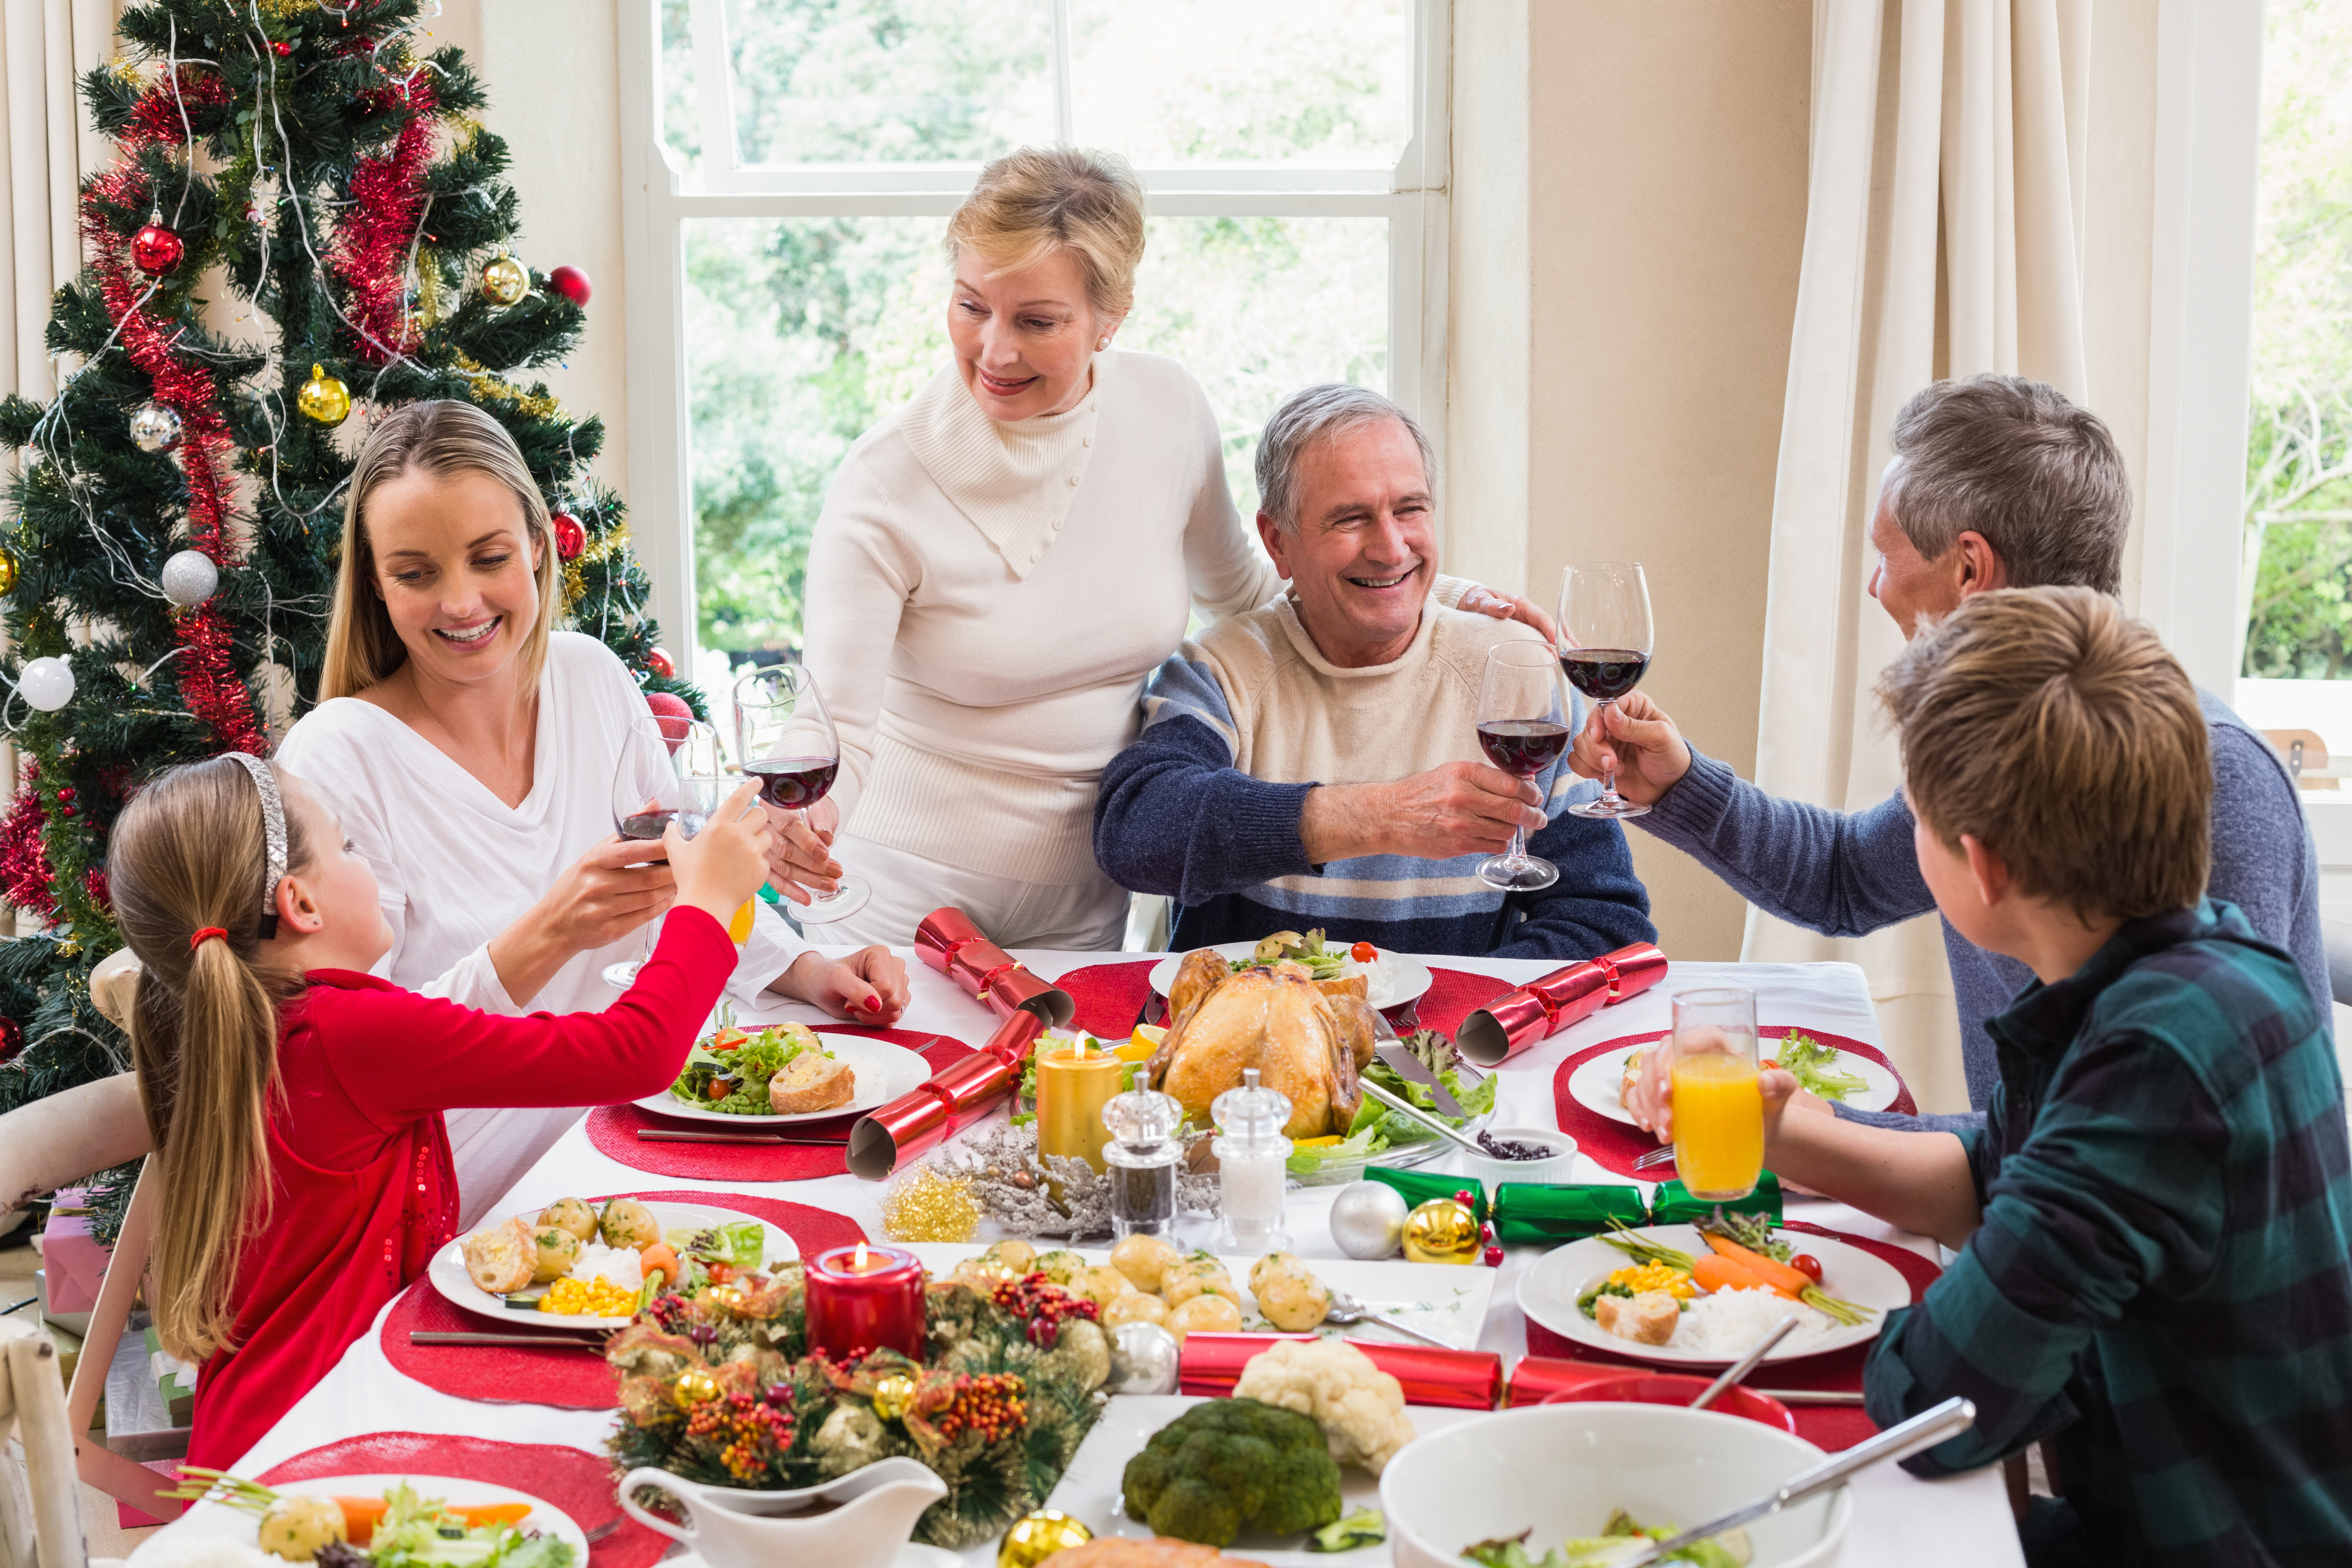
[119, 1477]
[2303, 752]
[40, 1526]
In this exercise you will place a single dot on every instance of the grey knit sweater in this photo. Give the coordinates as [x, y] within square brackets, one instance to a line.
[1847, 874]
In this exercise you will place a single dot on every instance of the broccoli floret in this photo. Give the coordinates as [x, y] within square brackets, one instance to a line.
[1233, 1464]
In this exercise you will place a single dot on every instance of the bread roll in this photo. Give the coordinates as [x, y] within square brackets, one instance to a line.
[811, 1081]
[502, 1258]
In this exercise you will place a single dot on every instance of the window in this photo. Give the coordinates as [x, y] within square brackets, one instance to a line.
[792, 164]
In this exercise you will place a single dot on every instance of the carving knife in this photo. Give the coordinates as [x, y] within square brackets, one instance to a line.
[1409, 1067]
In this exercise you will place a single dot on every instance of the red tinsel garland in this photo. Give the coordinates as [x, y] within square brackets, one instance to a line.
[23, 859]
[372, 240]
[207, 679]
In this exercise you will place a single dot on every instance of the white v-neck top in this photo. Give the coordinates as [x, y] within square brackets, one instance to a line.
[455, 865]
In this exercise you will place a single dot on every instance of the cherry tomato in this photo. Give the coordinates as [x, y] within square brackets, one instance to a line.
[1363, 953]
[721, 1272]
[1806, 1264]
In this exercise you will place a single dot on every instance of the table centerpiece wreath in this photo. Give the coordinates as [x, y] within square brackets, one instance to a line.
[722, 1389]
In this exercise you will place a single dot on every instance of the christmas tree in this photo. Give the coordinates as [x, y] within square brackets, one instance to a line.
[175, 519]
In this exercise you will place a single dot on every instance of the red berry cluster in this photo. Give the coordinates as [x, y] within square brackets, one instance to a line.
[990, 1405]
[1045, 1304]
[745, 1432]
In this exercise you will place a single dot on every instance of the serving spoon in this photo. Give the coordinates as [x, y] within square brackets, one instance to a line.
[1398, 1102]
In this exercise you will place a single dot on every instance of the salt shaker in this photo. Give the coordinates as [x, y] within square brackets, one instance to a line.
[1142, 1159]
[1250, 1151]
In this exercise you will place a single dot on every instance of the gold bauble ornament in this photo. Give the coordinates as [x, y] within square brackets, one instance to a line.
[504, 282]
[695, 1385]
[1037, 1536]
[1442, 1230]
[894, 1396]
[8, 570]
[324, 398]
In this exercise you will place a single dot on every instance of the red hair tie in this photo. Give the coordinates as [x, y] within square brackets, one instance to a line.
[207, 934]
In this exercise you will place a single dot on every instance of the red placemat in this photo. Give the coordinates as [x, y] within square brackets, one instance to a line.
[1110, 994]
[1830, 1427]
[613, 1129]
[579, 1483]
[566, 1379]
[1617, 1145]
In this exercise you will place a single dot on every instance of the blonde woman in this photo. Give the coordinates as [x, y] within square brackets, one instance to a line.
[469, 747]
[1001, 563]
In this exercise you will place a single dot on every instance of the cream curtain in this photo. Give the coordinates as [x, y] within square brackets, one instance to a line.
[1943, 237]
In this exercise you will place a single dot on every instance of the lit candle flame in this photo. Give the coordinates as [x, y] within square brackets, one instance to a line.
[857, 1264]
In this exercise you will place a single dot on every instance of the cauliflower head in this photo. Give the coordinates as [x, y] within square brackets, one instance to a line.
[1359, 1407]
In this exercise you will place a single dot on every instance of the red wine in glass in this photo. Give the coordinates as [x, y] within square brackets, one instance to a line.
[1603, 674]
[794, 783]
[1524, 747]
[647, 824]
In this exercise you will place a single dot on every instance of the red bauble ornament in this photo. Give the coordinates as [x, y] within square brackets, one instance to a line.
[156, 249]
[280, 47]
[671, 713]
[570, 539]
[659, 660]
[12, 1038]
[571, 283]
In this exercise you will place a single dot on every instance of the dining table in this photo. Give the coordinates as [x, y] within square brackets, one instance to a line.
[1961, 1519]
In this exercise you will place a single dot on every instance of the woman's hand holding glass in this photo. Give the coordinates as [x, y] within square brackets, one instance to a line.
[801, 866]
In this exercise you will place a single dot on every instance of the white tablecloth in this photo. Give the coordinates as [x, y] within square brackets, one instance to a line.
[1963, 1520]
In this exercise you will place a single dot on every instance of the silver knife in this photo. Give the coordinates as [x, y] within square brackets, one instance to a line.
[1409, 1067]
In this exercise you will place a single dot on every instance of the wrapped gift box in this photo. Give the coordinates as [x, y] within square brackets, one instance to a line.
[73, 1264]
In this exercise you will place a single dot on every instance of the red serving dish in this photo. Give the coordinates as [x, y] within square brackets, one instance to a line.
[1671, 1389]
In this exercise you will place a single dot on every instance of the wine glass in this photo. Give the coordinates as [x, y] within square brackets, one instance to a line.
[1523, 728]
[664, 773]
[1605, 651]
[787, 742]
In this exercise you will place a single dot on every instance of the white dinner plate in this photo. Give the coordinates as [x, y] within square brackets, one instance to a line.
[1438, 1298]
[217, 1521]
[447, 1269]
[1398, 980]
[884, 1072]
[1593, 1085]
[1547, 1293]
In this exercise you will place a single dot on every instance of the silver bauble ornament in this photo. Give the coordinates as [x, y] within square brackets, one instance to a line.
[154, 428]
[189, 578]
[1142, 1360]
[47, 683]
[1367, 1219]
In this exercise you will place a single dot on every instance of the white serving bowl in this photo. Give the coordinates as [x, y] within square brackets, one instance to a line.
[1558, 1470]
[1553, 1168]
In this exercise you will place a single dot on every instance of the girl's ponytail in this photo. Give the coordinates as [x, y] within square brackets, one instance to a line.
[188, 863]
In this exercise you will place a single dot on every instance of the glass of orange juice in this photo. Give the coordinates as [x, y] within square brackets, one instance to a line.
[1718, 1106]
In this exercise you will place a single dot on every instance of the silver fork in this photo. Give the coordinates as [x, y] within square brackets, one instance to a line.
[1665, 1156]
[1346, 1308]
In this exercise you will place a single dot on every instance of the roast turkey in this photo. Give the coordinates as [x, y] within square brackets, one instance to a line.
[1306, 1040]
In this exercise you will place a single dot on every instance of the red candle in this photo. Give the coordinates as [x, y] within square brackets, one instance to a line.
[865, 1298]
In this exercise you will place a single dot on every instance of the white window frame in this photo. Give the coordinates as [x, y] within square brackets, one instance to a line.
[658, 197]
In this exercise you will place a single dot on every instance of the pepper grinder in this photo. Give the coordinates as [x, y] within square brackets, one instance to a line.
[1251, 1150]
[1142, 1159]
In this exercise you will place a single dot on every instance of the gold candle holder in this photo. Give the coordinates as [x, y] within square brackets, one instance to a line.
[1075, 1079]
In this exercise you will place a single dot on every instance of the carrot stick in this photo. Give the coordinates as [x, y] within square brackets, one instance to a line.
[476, 1515]
[1788, 1282]
[1713, 1274]
[361, 1515]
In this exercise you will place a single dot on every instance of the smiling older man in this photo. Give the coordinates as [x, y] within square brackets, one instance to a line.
[1357, 677]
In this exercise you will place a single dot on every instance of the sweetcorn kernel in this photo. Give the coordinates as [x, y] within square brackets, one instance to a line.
[588, 1298]
[1638, 1278]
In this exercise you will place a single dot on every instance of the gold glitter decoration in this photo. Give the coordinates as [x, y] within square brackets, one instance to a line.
[286, 10]
[489, 387]
[575, 587]
[894, 1396]
[1038, 1536]
[925, 1205]
[1442, 1231]
[695, 1385]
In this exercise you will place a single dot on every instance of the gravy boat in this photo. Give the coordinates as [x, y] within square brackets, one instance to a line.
[860, 1520]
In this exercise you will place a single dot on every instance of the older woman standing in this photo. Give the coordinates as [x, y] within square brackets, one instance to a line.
[469, 749]
[1002, 562]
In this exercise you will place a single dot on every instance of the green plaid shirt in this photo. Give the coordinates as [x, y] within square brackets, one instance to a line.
[2161, 1280]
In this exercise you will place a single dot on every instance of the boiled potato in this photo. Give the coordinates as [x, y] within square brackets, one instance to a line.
[572, 1214]
[1292, 1299]
[296, 1527]
[1135, 1307]
[1017, 1256]
[1061, 1266]
[628, 1223]
[1205, 1315]
[1269, 1263]
[559, 1249]
[982, 1274]
[1102, 1285]
[1144, 1259]
[1197, 1275]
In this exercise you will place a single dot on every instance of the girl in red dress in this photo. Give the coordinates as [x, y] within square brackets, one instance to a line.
[296, 1101]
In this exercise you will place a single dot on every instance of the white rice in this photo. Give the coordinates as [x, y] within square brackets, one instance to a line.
[616, 1265]
[1727, 1321]
[205, 1552]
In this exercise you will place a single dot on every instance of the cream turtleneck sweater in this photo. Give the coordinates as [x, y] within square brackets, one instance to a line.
[985, 599]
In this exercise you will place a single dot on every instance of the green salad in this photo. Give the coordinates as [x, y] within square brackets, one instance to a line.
[1377, 1130]
[1617, 1539]
[730, 1070]
[1814, 1066]
[1320, 961]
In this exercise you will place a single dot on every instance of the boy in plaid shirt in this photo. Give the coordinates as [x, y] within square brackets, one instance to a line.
[2152, 1226]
